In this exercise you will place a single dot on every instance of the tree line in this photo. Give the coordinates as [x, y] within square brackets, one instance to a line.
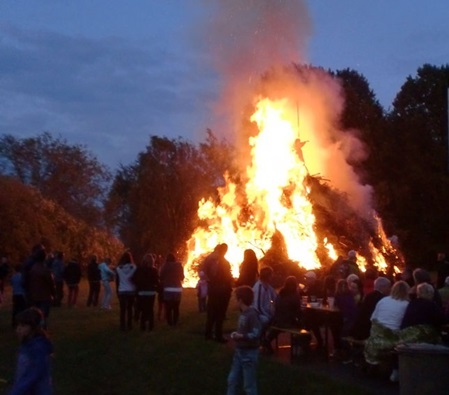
[60, 193]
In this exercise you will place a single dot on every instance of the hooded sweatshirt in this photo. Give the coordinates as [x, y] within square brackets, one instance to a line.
[33, 373]
[124, 277]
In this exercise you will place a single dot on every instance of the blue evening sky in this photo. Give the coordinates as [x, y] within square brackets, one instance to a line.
[109, 73]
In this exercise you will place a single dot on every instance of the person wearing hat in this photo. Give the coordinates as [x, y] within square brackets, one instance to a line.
[349, 266]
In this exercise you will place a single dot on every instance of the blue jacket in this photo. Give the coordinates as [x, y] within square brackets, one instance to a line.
[33, 375]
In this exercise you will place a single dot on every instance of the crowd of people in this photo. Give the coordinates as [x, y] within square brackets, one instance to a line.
[382, 311]
[39, 284]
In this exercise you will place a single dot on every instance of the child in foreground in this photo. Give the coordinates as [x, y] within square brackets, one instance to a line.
[33, 374]
[247, 340]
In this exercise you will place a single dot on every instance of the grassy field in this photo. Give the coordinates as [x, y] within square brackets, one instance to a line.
[93, 357]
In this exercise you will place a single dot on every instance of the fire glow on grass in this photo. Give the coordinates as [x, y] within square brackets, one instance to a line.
[275, 198]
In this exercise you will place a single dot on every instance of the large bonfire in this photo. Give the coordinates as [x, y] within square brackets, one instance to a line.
[291, 148]
[296, 193]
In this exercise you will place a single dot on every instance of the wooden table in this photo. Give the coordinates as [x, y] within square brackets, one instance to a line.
[326, 313]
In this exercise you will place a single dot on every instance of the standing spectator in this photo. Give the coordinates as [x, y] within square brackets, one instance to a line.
[246, 338]
[264, 297]
[57, 268]
[18, 293]
[201, 292]
[107, 276]
[41, 285]
[160, 291]
[4, 271]
[94, 277]
[218, 273]
[146, 279]
[249, 269]
[72, 278]
[172, 276]
[27, 265]
[33, 374]
[126, 290]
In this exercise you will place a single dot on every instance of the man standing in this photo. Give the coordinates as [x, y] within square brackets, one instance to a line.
[107, 276]
[94, 277]
[41, 285]
[57, 269]
[218, 273]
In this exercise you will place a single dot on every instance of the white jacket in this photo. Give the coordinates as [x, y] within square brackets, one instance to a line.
[124, 275]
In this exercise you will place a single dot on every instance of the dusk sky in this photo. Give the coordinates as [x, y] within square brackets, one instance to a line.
[108, 74]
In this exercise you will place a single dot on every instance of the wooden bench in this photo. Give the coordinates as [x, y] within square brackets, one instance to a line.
[299, 340]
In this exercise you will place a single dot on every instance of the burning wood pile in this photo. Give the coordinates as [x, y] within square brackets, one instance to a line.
[297, 198]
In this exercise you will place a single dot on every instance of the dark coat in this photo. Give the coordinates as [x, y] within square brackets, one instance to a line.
[41, 285]
[362, 325]
[146, 278]
[72, 273]
[287, 309]
[93, 272]
[422, 312]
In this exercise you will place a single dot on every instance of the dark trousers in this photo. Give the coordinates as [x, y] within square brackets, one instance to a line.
[73, 294]
[145, 303]
[217, 304]
[18, 304]
[202, 304]
[172, 300]
[94, 293]
[59, 285]
[126, 301]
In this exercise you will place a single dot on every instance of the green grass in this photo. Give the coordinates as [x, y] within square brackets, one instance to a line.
[93, 357]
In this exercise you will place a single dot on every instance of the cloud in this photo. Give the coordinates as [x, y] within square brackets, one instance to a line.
[109, 94]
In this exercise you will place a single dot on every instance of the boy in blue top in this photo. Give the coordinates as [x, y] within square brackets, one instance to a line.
[33, 374]
[247, 340]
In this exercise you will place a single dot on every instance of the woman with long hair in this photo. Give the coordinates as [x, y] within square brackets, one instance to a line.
[146, 279]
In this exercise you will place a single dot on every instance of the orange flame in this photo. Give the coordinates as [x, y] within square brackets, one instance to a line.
[275, 195]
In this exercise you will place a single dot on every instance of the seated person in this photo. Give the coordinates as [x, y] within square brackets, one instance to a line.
[362, 325]
[422, 317]
[386, 322]
[421, 276]
[345, 302]
[356, 287]
[313, 287]
[287, 310]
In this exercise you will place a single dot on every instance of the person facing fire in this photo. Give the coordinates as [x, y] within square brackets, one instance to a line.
[349, 265]
[219, 277]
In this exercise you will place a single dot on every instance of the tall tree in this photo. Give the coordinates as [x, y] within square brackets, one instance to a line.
[421, 183]
[68, 174]
[155, 200]
[28, 218]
